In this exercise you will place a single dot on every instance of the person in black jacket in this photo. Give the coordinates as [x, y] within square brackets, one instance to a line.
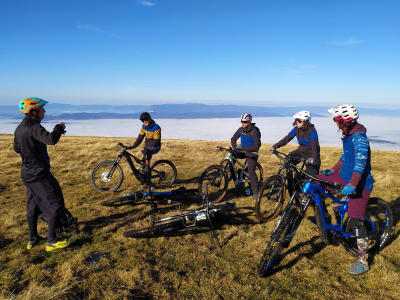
[43, 191]
[250, 143]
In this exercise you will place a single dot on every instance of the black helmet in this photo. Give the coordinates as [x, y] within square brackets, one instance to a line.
[145, 116]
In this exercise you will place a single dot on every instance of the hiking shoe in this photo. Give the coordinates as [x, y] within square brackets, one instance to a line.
[34, 241]
[359, 268]
[51, 246]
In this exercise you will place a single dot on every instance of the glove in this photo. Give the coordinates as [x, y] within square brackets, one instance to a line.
[327, 172]
[129, 148]
[272, 149]
[310, 161]
[348, 190]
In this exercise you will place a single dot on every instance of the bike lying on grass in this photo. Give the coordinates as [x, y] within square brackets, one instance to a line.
[137, 197]
[198, 217]
[378, 222]
[107, 175]
[272, 192]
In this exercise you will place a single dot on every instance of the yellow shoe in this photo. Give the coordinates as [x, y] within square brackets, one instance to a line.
[57, 245]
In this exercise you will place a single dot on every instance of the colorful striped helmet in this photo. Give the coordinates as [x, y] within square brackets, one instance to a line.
[26, 105]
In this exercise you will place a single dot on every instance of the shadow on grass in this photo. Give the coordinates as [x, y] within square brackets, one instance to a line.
[4, 242]
[315, 249]
[103, 221]
[395, 206]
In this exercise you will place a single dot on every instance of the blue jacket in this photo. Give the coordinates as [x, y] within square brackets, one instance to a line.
[356, 158]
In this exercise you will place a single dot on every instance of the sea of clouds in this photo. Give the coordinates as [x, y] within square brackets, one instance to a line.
[383, 132]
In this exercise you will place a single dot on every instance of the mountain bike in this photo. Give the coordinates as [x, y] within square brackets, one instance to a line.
[378, 222]
[272, 192]
[198, 217]
[131, 198]
[107, 175]
[238, 172]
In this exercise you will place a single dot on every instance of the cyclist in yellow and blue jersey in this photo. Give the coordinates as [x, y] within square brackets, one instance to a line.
[152, 144]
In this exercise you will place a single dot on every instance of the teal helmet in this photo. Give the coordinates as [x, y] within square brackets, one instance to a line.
[27, 104]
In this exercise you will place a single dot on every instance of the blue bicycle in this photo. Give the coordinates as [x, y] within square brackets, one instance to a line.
[378, 221]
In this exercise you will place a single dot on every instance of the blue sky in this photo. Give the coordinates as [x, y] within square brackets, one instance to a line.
[208, 51]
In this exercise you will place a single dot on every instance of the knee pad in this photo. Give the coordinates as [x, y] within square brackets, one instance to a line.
[357, 226]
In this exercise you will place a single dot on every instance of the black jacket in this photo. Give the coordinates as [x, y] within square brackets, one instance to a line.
[30, 140]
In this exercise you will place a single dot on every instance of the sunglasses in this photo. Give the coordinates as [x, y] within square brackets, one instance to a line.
[299, 121]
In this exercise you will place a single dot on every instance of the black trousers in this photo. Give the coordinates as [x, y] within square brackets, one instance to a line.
[44, 196]
[251, 168]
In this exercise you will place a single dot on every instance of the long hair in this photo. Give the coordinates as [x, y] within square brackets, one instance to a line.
[306, 124]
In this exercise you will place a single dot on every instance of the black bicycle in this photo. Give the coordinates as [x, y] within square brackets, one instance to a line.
[137, 197]
[107, 175]
[378, 221]
[272, 193]
[199, 217]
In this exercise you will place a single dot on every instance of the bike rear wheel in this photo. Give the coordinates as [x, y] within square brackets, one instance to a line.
[156, 230]
[271, 197]
[217, 183]
[162, 174]
[279, 240]
[379, 213]
[107, 176]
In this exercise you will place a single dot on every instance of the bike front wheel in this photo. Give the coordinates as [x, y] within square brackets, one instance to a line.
[157, 230]
[378, 221]
[215, 178]
[280, 239]
[107, 176]
[271, 197]
[228, 167]
[162, 174]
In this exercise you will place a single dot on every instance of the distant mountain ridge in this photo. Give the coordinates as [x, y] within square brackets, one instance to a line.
[178, 111]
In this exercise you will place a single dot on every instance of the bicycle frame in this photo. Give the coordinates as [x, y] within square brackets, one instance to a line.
[235, 176]
[128, 156]
[315, 191]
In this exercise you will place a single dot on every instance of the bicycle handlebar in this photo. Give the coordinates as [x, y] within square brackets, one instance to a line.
[224, 149]
[284, 156]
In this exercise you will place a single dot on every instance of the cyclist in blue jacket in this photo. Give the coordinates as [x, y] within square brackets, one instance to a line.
[353, 172]
[307, 138]
[250, 143]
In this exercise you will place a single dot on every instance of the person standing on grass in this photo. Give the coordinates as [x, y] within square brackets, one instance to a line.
[43, 191]
[307, 137]
[152, 144]
[353, 173]
[250, 143]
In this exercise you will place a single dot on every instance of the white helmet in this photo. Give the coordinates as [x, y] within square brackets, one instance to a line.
[345, 112]
[303, 115]
[246, 118]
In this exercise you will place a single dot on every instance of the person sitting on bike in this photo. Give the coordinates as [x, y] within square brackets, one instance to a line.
[353, 172]
[152, 144]
[307, 138]
[250, 143]
[43, 190]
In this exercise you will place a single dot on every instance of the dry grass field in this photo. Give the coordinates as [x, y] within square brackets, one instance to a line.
[187, 264]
